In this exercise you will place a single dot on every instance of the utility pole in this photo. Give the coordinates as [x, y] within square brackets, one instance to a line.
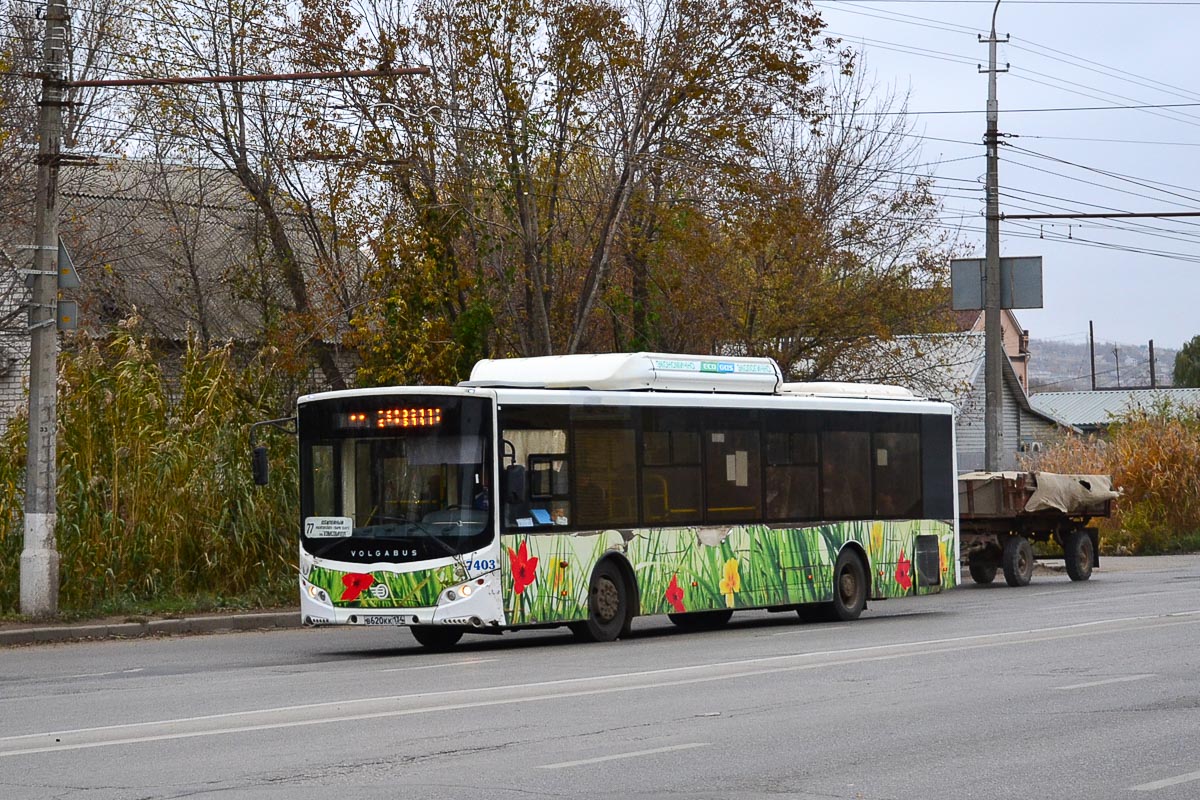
[993, 425]
[1153, 369]
[1092, 350]
[39, 558]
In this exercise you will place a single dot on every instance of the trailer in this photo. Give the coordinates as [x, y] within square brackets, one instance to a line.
[1001, 514]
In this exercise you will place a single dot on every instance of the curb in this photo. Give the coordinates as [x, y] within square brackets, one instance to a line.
[156, 627]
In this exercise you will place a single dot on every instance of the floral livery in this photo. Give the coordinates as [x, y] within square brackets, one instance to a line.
[383, 588]
[738, 567]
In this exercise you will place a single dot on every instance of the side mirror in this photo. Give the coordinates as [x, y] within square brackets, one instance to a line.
[262, 470]
[259, 454]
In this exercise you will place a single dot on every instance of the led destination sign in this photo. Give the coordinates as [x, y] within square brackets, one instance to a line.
[392, 418]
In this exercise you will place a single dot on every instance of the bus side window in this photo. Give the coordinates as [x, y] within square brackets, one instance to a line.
[671, 477]
[846, 474]
[534, 444]
[793, 483]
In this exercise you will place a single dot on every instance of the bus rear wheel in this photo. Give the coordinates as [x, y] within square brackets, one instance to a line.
[610, 611]
[437, 637]
[701, 620]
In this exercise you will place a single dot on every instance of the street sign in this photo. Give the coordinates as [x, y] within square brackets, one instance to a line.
[1020, 283]
[68, 278]
[68, 315]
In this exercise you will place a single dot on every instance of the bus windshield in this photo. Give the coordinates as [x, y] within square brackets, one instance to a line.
[395, 478]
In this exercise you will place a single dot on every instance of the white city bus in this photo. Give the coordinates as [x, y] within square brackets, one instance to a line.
[587, 490]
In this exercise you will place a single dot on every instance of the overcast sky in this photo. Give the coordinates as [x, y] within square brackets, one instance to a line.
[1136, 279]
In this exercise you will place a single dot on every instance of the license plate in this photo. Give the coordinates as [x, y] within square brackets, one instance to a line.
[382, 620]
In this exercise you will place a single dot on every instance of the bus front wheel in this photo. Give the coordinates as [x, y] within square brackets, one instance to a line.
[609, 609]
[437, 637]
[849, 592]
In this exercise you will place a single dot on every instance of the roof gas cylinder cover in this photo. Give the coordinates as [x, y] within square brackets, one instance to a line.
[631, 371]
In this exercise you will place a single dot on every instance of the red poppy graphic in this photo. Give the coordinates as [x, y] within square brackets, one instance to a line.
[904, 572]
[524, 568]
[675, 595]
[356, 583]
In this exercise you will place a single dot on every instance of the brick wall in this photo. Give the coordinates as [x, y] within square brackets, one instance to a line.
[14, 348]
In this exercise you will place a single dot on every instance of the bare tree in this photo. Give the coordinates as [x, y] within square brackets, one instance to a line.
[252, 131]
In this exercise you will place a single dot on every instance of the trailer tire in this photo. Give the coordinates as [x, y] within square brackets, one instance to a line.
[1017, 561]
[1077, 547]
[983, 570]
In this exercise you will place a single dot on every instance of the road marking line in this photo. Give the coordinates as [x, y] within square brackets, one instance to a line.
[440, 666]
[810, 630]
[1105, 682]
[102, 674]
[344, 710]
[1165, 782]
[635, 754]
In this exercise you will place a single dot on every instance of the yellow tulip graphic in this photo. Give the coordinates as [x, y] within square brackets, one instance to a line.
[731, 582]
[876, 537]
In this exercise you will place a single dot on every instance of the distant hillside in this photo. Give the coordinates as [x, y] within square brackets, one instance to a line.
[1065, 366]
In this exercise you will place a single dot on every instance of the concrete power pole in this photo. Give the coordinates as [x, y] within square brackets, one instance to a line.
[993, 426]
[39, 558]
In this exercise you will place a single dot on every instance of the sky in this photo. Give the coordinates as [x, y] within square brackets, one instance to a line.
[1134, 279]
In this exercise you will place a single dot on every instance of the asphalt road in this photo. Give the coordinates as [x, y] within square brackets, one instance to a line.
[1058, 690]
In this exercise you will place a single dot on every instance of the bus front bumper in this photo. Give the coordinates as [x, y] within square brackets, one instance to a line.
[475, 603]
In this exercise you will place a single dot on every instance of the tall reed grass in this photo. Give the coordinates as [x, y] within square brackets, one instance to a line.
[1153, 456]
[155, 497]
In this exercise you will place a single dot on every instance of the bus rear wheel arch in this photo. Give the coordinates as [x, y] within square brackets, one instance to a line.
[612, 602]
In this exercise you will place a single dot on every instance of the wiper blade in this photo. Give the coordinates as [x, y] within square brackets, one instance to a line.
[439, 541]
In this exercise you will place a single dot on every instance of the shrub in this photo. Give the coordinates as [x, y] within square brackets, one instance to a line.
[1153, 456]
[155, 498]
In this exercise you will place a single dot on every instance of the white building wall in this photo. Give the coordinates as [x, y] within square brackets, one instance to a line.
[14, 351]
[971, 437]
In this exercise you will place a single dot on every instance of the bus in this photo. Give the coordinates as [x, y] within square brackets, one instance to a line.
[586, 490]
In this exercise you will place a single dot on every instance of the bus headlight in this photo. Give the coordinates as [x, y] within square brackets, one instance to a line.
[317, 593]
[464, 590]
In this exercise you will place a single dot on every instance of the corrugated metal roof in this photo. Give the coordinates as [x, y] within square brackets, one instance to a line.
[1093, 409]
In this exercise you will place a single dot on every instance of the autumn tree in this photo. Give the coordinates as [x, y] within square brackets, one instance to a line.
[541, 123]
[1187, 364]
[822, 243]
[273, 138]
[840, 241]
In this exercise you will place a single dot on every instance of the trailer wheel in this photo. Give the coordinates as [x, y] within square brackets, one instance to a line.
[1017, 561]
[983, 569]
[1077, 546]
